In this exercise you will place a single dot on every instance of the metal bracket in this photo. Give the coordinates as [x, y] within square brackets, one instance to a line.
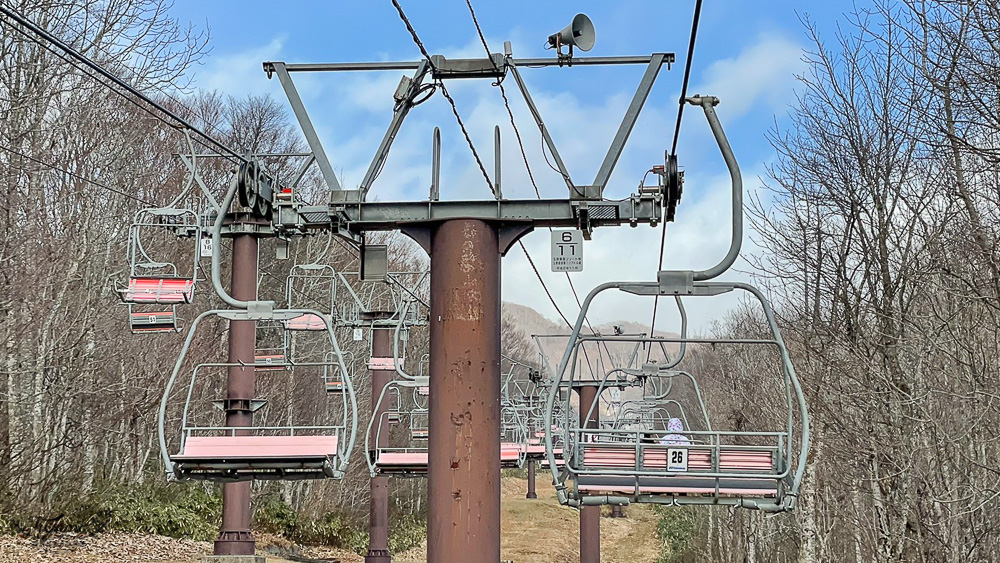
[346, 196]
[675, 282]
[492, 67]
[587, 192]
[239, 405]
[304, 122]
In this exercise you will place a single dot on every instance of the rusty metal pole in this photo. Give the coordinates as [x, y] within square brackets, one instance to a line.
[463, 480]
[590, 516]
[235, 537]
[531, 480]
[378, 521]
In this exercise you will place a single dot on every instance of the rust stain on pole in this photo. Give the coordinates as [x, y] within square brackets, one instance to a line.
[464, 449]
[235, 537]
[378, 522]
[590, 516]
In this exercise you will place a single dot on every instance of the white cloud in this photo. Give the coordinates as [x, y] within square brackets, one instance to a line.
[762, 73]
[241, 73]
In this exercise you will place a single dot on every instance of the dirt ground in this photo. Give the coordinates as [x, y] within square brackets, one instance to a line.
[537, 530]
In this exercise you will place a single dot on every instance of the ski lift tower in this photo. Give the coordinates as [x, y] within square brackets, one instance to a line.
[465, 240]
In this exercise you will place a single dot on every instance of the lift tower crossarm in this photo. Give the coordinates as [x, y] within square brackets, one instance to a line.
[413, 65]
[495, 67]
[357, 217]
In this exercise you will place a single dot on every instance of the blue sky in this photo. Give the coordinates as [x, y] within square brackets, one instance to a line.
[747, 54]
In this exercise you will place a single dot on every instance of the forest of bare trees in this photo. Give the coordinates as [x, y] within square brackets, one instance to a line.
[878, 225]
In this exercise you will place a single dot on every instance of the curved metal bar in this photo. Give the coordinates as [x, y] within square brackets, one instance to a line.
[708, 104]
[217, 253]
[161, 416]
[395, 341]
[790, 374]
[684, 328]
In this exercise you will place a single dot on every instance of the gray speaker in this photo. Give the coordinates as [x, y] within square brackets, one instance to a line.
[580, 34]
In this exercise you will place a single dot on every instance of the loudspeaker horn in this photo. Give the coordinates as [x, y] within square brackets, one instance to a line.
[579, 34]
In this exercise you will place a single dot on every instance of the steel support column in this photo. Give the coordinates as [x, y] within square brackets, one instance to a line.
[590, 516]
[464, 450]
[378, 522]
[531, 480]
[235, 537]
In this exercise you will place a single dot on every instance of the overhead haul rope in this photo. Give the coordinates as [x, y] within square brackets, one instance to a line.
[673, 149]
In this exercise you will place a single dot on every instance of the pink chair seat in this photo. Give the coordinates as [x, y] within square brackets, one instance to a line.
[158, 290]
[682, 490]
[308, 321]
[237, 448]
[401, 458]
[269, 362]
[609, 455]
[510, 452]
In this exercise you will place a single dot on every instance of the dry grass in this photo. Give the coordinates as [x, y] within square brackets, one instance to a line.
[537, 530]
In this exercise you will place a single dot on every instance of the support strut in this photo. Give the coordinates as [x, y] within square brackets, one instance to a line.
[590, 516]
[531, 480]
[378, 523]
[235, 537]
[464, 450]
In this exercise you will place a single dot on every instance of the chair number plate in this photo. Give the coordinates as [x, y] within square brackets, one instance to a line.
[359, 334]
[677, 459]
[206, 247]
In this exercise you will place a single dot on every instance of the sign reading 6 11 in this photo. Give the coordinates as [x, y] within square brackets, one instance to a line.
[567, 251]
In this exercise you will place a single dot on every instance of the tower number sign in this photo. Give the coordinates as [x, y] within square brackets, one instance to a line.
[567, 251]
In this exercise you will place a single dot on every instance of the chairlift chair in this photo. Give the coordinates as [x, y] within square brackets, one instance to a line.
[513, 437]
[153, 277]
[757, 469]
[155, 280]
[407, 454]
[312, 286]
[399, 293]
[205, 451]
[333, 376]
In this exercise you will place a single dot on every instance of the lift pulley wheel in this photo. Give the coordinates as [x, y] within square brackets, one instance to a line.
[673, 183]
[255, 189]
